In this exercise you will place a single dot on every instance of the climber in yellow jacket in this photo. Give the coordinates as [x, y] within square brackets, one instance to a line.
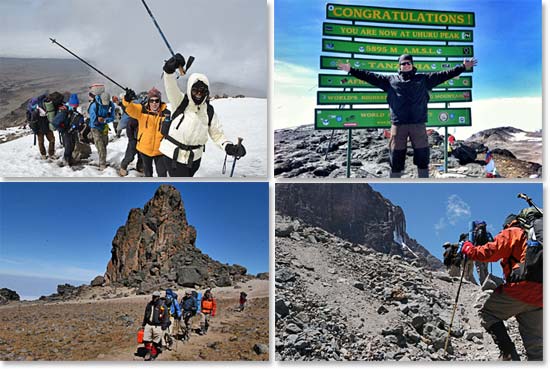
[150, 118]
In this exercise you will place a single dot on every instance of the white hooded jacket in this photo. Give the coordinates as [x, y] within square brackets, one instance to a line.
[193, 129]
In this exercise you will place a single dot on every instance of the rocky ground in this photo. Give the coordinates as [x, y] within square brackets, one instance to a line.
[300, 153]
[21, 79]
[102, 324]
[341, 301]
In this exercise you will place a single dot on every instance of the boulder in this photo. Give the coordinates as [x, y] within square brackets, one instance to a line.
[97, 281]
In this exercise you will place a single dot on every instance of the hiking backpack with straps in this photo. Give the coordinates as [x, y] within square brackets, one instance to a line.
[171, 296]
[531, 268]
[165, 129]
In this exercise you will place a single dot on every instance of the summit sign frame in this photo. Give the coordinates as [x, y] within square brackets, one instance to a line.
[400, 16]
[437, 38]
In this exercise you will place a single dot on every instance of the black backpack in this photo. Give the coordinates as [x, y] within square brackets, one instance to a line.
[165, 127]
[465, 154]
[531, 269]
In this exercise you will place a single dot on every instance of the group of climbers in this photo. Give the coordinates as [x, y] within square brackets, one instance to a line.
[173, 149]
[161, 313]
[519, 248]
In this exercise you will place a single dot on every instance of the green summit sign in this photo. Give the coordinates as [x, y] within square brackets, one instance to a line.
[345, 98]
[348, 81]
[416, 34]
[380, 118]
[354, 47]
[376, 65]
[401, 16]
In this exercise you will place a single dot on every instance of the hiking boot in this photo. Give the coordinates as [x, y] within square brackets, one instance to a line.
[504, 342]
[147, 356]
[122, 172]
[44, 157]
[396, 174]
[102, 167]
[423, 173]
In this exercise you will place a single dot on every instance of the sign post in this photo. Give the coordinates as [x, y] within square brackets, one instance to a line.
[439, 39]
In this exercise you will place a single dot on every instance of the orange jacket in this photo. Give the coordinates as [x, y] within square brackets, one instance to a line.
[509, 247]
[208, 306]
[149, 125]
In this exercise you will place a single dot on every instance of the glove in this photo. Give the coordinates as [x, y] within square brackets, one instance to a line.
[235, 150]
[174, 63]
[468, 249]
[130, 95]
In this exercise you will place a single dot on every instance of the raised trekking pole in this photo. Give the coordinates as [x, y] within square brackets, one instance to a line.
[88, 64]
[239, 141]
[530, 202]
[189, 60]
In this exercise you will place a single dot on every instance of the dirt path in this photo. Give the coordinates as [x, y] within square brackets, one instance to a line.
[231, 336]
[107, 329]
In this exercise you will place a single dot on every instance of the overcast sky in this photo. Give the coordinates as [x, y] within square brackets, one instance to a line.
[227, 37]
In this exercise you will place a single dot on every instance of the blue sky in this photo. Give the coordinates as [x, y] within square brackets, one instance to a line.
[507, 40]
[65, 230]
[436, 213]
[507, 83]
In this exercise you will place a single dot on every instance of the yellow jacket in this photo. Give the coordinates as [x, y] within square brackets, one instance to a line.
[149, 124]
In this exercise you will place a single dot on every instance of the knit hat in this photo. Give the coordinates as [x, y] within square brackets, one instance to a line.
[73, 101]
[156, 293]
[509, 219]
[105, 98]
[153, 93]
[404, 57]
[447, 244]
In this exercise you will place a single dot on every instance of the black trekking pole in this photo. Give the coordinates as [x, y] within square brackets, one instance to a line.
[530, 202]
[189, 60]
[456, 304]
[239, 141]
[88, 64]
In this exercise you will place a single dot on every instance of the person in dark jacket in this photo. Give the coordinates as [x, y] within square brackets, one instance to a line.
[520, 299]
[67, 121]
[189, 307]
[408, 100]
[38, 121]
[156, 320]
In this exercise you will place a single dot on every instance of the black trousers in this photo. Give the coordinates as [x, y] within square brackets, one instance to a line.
[182, 170]
[131, 152]
[69, 141]
[160, 165]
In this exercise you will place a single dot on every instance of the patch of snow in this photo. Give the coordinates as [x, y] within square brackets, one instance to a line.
[524, 136]
[240, 117]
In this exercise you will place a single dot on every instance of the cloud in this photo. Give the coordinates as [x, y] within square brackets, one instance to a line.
[520, 112]
[229, 39]
[439, 226]
[457, 210]
[295, 90]
[39, 268]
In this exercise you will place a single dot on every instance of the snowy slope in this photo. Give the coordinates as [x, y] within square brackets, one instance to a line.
[240, 117]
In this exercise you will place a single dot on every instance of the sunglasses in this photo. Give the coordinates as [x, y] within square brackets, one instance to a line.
[405, 63]
[154, 101]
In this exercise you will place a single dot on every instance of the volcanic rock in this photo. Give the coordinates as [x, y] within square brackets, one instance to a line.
[354, 212]
[7, 295]
[156, 248]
